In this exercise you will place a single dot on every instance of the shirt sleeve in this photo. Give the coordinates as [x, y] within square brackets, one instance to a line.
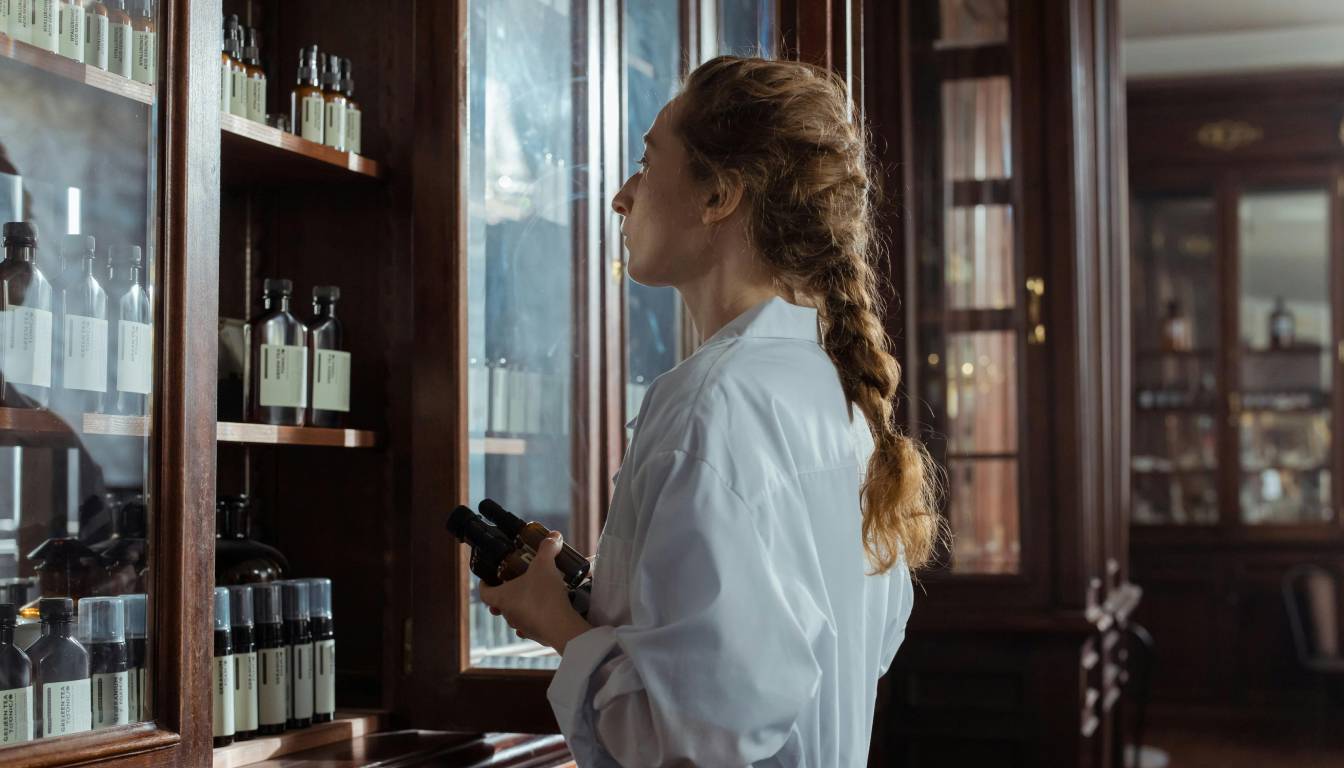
[901, 601]
[716, 665]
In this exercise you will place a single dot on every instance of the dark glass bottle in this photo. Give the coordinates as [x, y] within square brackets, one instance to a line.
[324, 650]
[530, 535]
[124, 555]
[333, 129]
[16, 682]
[277, 390]
[354, 141]
[137, 699]
[299, 640]
[307, 105]
[26, 302]
[83, 335]
[65, 567]
[133, 340]
[102, 629]
[330, 363]
[272, 659]
[240, 559]
[60, 673]
[1282, 326]
[221, 686]
[244, 662]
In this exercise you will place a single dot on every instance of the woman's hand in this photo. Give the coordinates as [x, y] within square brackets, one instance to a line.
[536, 604]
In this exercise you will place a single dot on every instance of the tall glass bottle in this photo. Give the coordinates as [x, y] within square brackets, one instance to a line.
[144, 42]
[221, 686]
[96, 22]
[278, 358]
[244, 662]
[83, 333]
[134, 340]
[256, 77]
[239, 559]
[21, 20]
[60, 672]
[45, 25]
[307, 105]
[102, 628]
[233, 46]
[354, 118]
[330, 381]
[72, 29]
[333, 125]
[119, 38]
[25, 321]
[272, 659]
[324, 650]
[137, 698]
[299, 641]
[16, 683]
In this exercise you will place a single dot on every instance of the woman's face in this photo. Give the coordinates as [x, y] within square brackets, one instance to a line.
[662, 210]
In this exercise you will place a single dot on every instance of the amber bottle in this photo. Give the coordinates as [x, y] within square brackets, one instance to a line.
[26, 301]
[528, 536]
[256, 77]
[307, 105]
[354, 118]
[333, 129]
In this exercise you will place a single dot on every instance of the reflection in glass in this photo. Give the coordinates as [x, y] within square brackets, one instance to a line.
[973, 22]
[983, 501]
[982, 393]
[979, 249]
[977, 129]
[746, 27]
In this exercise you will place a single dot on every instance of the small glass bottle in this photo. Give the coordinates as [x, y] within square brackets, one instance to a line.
[324, 650]
[83, 333]
[1175, 329]
[96, 22]
[102, 628]
[134, 340]
[72, 29]
[239, 559]
[45, 24]
[353, 116]
[21, 20]
[330, 380]
[144, 42]
[16, 683]
[60, 672]
[237, 69]
[26, 304]
[299, 641]
[333, 126]
[256, 77]
[307, 105]
[244, 663]
[119, 39]
[272, 659]
[278, 357]
[221, 686]
[137, 695]
[1282, 326]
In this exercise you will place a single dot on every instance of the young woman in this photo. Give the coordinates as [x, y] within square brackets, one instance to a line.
[753, 577]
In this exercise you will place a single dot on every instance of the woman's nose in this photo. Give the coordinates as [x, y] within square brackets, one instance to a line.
[621, 202]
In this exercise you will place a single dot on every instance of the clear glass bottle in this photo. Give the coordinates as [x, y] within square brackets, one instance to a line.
[83, 336]
[16, 682]
[221, 685]
[21, 20]
[244, 662]
[330, 379]
[237, 69]
[278, 358]
[354, 118]
[72, 29]
[333, 124]
[239, 559]
[144, 42]
[307, 105]
[324, 650]
[1175, 329]
[119, 39]
[60, 672]
[137, 642]
[102, 629]
[256, 77]
[299, 641]
[96, 23]
[133, 338]
[45, 24]
[272, 659]
[26, 304]
[1282, 326]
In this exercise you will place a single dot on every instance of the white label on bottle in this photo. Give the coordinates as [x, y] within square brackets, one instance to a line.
[111, 705]
[333, 132]
[135, 357]
[284, 376]
[72, 31]
[143, 58]
[238, 92]
[311, 117]
[302, 675]
[324, 677]
[221, 696]
[95, 40]
[119, 49]
[6, 10]
[353, 141]
[21, 20]
[134, 680]
[225, 84]
[25, 351]
[256, 99]
[245, 691]
[331, 381]
[45, 24]
[85, 359]
[272, 684]
[143, 688]
[16, 715]
[66, 708]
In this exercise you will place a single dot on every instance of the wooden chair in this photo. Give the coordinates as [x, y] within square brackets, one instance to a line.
[1311, 595]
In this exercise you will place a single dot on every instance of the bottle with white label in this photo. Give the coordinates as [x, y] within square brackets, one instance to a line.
[137, 697]
[72, 29]
[118, 38]
[324, 650]
[256, 77]
[21, 20]
[330, 362]
[60, 673]
[307, 105]
[225, 70]
[144, 42]
[83, 336]
[244, 663]
[299, 641]
[96, 25]
[133, 338]
[353, 117]
[277, 382]
[272, 659]
[102, 629]
[333, 125]
[221, 684]
[45, 24]
[16, 683]
[26, 304]
[236, 104]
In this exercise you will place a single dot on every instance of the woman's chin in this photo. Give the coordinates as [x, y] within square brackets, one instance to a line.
[640, 273]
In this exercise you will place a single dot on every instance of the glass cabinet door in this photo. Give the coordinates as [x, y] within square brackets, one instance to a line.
[78, 332]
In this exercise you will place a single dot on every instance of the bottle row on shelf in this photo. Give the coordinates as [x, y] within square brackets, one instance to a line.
[506, 397]
[119, 36]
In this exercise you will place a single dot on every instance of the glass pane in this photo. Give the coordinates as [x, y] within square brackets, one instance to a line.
[973, 22]
[745, 27]
[979, 257]
[977, 129]
[1286, 356]
[78, 276]
[983, 508]
[982, 393]
[524, 65]
[1175, 467]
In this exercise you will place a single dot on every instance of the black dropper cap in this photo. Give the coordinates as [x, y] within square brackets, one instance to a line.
[489, 545]
[347, 77]
[308, 68]
[56, 609]
[20, 233]
[252, 53]
[8, 615]
[331, 73]
[508, 522]
[273, 285]
[327, 293]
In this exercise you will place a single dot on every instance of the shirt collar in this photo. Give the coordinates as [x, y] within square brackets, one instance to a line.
[773, 318]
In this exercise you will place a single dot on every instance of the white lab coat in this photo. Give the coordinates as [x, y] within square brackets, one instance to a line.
[734, 620]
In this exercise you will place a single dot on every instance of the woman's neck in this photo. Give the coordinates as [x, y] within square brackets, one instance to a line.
[716, 299]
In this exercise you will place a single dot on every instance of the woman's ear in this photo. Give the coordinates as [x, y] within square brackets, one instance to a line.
[722, 199]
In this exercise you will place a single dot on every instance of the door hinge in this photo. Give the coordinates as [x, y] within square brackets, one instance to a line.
[407, 647]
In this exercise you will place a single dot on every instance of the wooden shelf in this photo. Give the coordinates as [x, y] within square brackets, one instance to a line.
[346, 727]
[498, 446]
[259, 154]
[70, 69]
[269, 434]
[34, 421]
[121, 426]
